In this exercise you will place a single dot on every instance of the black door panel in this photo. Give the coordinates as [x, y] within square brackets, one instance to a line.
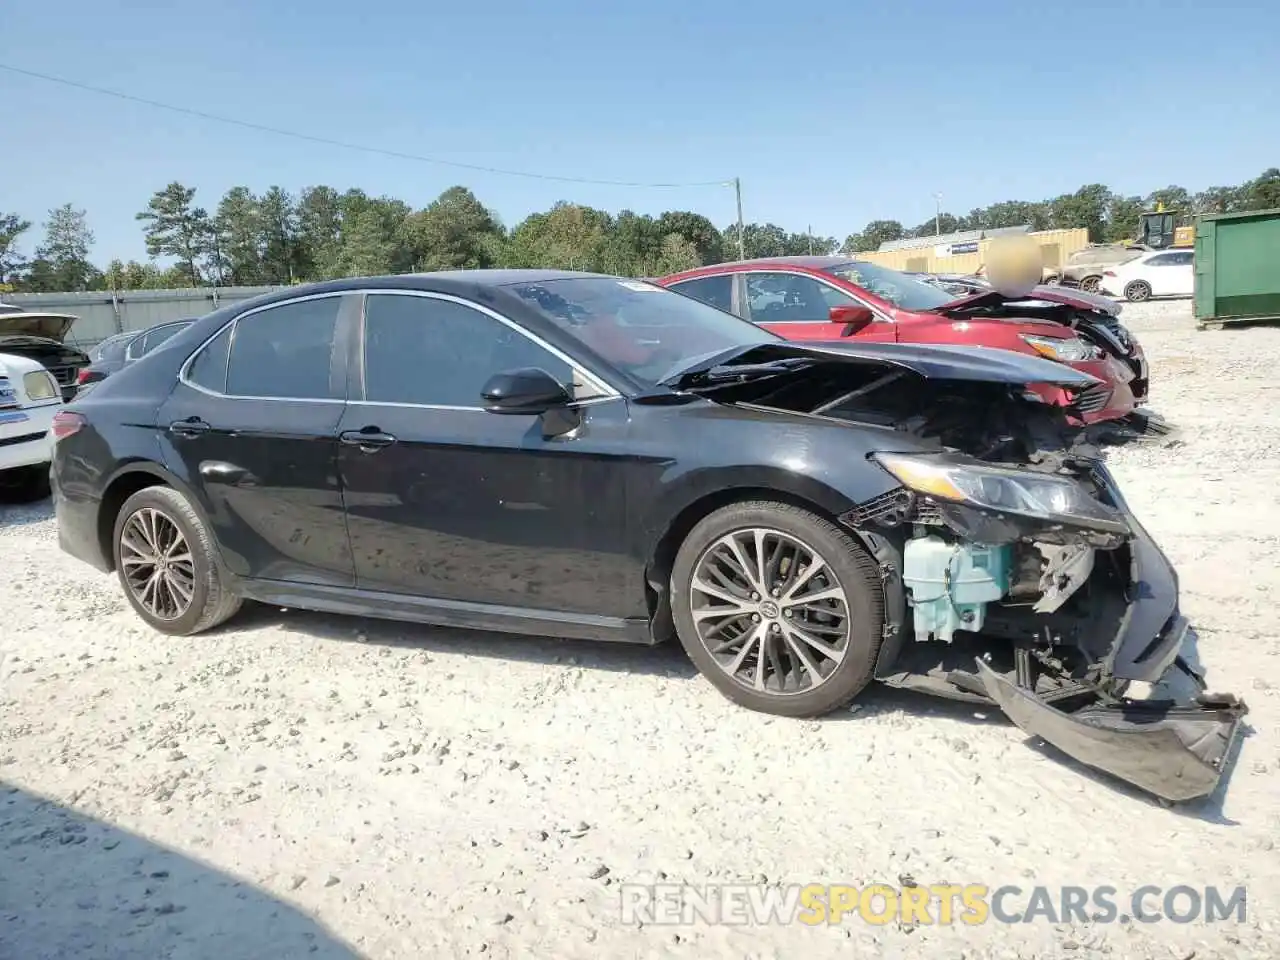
[449, 502]
[265, 462]
[468, 505]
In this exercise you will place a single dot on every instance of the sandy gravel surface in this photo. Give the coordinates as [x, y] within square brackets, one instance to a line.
[304, 785]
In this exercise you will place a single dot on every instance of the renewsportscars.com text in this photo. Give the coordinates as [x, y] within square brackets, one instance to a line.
[926, 904]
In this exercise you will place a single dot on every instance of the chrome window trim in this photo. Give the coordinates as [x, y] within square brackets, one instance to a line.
[590, 401]
[880, 315]
[233, 323]
[608, 390]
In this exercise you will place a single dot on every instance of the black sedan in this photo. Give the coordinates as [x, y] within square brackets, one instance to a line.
[592, 457]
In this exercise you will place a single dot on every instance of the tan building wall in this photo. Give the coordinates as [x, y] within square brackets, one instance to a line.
[1055, 247]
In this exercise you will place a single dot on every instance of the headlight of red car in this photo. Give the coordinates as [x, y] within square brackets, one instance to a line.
[1068, 350]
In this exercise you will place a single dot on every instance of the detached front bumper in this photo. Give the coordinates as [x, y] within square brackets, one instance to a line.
[1175, 748]
[1175, 751]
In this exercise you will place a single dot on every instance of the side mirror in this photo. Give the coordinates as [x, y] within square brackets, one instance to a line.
[527, 391]
[855, 316]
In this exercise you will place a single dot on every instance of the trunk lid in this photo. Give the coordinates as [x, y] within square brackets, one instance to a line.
[15, 321]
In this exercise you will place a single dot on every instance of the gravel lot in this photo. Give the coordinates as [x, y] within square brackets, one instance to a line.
[306, 785]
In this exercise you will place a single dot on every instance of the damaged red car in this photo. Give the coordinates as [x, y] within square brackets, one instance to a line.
[834, 298]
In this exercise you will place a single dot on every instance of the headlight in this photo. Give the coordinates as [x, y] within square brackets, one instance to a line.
[40, 385]
[1070, 350]
[1020, 492]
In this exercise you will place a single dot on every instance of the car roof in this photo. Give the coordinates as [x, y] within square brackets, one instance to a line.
[797, 262]
[464, 283]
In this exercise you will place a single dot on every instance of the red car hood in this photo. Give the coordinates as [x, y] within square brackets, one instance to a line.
[1077, 299]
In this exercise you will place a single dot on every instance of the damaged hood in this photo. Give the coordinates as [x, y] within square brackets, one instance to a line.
[1076, 299]
[930, 361]
[14, 321]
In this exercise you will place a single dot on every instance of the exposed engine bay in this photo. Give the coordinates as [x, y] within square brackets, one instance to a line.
[1013, 570]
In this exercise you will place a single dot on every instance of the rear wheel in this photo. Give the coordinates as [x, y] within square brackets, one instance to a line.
[1137, 291]
[1090, 284]
[25, 484]
[779, 608]
[166, 563]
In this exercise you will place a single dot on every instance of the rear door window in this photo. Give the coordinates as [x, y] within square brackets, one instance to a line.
[715, 291]
[285, 352]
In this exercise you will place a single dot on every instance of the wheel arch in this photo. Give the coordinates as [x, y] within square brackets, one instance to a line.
[124, 483]
[811, 495]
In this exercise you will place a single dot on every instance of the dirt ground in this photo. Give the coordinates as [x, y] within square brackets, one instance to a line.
[306, 785]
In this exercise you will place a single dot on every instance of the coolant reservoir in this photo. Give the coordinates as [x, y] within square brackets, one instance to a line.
[950, 584]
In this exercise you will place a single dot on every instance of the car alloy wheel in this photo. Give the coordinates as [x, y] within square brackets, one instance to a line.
[1090, 284]
[770, 611]
[1138, 291]
[157, 563]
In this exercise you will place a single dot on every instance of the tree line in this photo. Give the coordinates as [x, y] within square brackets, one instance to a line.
[320, 233]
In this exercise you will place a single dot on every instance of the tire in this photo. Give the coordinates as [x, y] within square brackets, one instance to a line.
[210, 602]
[1136, 291]
[1090, 284]
[846, 567]
[25, 484]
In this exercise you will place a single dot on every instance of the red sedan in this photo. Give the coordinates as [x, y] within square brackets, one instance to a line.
[827, 298]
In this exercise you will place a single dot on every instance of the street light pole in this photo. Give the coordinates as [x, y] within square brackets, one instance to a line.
[937, 215]
[742, 240]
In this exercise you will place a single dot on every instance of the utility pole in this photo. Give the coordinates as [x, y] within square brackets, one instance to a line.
[937, 215]
[742, 239]
[808, 232]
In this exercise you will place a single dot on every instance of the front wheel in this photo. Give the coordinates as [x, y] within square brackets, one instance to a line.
[166, 563]
[1137, 291]
[779, 608]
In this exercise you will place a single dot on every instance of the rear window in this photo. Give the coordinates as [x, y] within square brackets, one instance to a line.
[209, 368]
[900, 289]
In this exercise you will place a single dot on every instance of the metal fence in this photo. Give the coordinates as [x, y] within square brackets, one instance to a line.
[100, 314]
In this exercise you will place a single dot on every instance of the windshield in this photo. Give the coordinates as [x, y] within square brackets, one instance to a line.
[642, 329]
[892, 285]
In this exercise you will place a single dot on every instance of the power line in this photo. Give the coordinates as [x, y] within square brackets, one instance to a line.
[264, 128]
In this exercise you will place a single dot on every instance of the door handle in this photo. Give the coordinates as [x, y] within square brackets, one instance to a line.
[191, 427]
[368, 439]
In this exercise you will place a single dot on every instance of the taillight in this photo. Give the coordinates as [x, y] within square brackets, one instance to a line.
[83, 375]
[65, 423]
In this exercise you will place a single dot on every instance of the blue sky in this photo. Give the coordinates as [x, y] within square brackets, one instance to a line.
[832, 114]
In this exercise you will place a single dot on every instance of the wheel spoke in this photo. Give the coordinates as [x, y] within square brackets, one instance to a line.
[811, 668]
[824, 648]
[719, 593]
[803, 578]
[740, 558]
[830, 593]
[761, 659]
[756, 636]
[762, 584]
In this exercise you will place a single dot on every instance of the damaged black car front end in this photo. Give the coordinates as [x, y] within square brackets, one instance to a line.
[1013, 570]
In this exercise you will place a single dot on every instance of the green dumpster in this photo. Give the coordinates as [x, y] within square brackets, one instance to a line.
[1237, 271]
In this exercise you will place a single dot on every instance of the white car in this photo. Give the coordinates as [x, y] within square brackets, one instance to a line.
[1161, 273]
[29, 397]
